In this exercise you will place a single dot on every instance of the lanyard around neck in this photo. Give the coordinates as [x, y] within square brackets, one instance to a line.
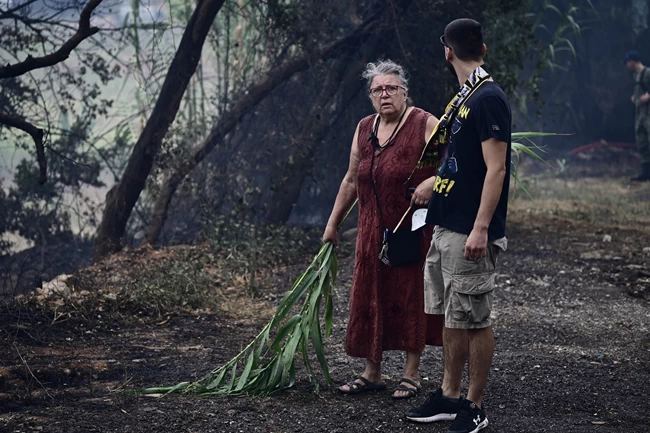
[375, 139]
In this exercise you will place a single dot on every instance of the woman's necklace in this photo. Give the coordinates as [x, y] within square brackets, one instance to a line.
[379, 148]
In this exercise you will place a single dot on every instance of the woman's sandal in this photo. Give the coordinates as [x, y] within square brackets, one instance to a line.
[355, 387]
[410, 392]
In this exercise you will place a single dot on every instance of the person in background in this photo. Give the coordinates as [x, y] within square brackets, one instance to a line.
[641, 100]
[386, 302]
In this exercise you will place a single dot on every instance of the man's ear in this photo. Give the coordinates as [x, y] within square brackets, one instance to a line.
[449, 54]
[483, 50]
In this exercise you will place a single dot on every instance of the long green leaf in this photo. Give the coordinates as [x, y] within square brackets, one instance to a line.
[282, 333]
[247, 370]
[218, 381]
[293, 297]
[518, 147]
[261, 342]
[287, 357]
[528, 134]
[329, 314]
[317, 342]
[305, 358]
[522, 186]
[292, 375]
[233, 377]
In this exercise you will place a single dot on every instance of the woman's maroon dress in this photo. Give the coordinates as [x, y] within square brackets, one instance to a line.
[387, 303]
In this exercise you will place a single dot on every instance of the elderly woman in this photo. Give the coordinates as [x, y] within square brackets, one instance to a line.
[387, 302]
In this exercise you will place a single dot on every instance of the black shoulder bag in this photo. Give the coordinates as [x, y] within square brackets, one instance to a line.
[403, 246]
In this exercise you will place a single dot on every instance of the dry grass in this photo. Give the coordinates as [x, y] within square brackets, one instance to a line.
[607, 201]
[152, 283]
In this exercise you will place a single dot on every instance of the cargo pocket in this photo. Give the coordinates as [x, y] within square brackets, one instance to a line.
[471, 297]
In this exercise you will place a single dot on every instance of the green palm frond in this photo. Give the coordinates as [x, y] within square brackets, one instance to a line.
[267, 364]
[530, 148]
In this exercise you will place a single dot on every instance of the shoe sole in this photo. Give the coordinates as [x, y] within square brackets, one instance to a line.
[481, 426]
[435, 418]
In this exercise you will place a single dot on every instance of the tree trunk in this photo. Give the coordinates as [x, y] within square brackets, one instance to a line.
[249, 100]
[121, 199]
[289, 184]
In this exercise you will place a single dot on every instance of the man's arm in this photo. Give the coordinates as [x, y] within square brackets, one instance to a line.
[424, 191]
[494, 155]
[645, 98]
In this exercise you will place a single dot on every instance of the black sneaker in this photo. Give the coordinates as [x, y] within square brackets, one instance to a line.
[436, 408]
[470, 418]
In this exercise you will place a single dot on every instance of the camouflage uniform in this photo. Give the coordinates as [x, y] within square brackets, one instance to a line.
[642, 125]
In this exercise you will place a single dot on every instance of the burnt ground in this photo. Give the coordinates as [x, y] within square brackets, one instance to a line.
[572, 325]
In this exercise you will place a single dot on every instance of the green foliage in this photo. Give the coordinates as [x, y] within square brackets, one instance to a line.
[510, 38]
[558, 27]
[4, 221]
[270, 358]
[253, 247]
[522, 145]
[172, 284]
[267, 364]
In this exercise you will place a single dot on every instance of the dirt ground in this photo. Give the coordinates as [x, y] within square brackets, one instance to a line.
[572, 326]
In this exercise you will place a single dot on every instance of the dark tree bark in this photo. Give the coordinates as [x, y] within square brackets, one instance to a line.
[248, 100]
[121, 199]
[37, 136]
[84, 31]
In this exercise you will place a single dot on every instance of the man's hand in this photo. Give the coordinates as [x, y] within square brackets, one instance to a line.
[423, 192]
[645, 98]
[331, 234]
[476, 245]
[633, 99]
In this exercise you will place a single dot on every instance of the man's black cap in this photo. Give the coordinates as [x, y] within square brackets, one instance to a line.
[633, 56]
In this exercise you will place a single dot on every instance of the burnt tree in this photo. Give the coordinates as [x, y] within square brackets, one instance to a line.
[121, 199]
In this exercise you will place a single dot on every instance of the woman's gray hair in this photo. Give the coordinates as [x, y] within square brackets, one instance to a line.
[385, 67]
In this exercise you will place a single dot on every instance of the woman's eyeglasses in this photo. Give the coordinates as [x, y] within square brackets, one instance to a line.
[376, 92]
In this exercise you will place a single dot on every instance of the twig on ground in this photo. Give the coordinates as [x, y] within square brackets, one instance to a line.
[32, 373]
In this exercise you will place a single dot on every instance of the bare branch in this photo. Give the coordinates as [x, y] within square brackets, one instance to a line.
[37, 135]
[30, 63]
[30, 371]
[16, 9]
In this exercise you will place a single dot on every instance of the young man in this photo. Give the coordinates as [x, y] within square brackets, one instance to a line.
[641, 100]
[468, 206]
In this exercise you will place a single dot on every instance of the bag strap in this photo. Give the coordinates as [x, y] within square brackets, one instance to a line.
[375, 144]
[430, 150]
[374, 190]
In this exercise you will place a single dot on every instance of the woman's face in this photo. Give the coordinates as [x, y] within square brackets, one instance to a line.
[385, 104]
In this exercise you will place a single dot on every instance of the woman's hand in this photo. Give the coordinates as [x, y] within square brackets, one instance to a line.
[331, 234]
[423, 192]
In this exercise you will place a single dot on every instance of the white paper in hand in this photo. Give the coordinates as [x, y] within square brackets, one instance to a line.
[419, 219]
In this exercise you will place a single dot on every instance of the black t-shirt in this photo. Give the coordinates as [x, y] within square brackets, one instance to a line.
[457, 191]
